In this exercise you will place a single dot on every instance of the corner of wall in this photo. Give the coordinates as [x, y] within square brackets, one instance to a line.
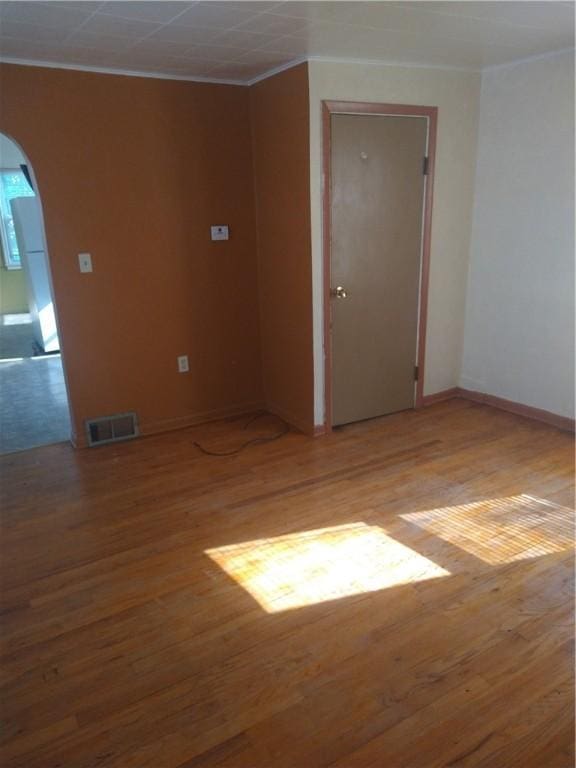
[280, 143]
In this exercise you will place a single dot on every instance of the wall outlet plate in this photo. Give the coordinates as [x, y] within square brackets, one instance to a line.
[183, 366]
[219, 232]
[85, 262]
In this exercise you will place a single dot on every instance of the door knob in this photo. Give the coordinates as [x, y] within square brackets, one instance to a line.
[338, 292]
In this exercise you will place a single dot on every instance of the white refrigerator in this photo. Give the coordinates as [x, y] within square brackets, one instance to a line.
[29, 232]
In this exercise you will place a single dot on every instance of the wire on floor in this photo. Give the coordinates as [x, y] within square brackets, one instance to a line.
[253, 441]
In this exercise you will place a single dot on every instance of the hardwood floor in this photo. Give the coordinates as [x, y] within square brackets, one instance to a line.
[395, 595]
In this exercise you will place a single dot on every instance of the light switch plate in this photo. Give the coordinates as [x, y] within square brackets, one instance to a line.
[85, 262]
[183, 366]
[219, 232]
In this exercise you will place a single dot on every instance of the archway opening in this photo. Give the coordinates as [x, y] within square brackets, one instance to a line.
[34, 407]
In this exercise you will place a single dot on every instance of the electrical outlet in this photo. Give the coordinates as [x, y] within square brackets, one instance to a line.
[183, 366]
[85, 262]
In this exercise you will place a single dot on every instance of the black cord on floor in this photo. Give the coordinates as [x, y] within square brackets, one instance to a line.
[254, 441]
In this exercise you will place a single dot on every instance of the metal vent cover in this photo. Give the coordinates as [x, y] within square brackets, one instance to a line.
[111, 429]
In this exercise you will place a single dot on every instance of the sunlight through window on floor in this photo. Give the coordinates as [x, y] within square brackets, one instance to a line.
[501, 530]
[22, 318]
[316, 566]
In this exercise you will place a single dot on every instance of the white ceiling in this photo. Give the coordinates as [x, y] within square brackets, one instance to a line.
[241, 41]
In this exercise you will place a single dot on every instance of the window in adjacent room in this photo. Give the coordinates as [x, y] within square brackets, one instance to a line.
[13, 183]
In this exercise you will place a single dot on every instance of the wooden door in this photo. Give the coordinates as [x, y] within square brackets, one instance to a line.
[377, 198]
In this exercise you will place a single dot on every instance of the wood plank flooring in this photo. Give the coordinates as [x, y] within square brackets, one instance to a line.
[398, 594]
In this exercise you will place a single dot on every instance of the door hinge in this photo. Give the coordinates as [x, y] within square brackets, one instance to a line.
[425, 167]
[416, 373]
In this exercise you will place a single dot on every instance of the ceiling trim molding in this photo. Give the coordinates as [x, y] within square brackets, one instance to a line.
[526, 59]
[389, 63]
[216, 80]
[275, 70]
[114, 71]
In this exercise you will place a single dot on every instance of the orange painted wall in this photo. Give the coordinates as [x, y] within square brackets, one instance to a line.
[281, 136]
[135, 170]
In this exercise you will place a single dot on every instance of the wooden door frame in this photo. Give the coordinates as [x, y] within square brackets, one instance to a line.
[330, 108]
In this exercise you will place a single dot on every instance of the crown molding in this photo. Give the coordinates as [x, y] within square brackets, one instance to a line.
[114, 71]
[275, 70]
[527, 59]
[389, 63]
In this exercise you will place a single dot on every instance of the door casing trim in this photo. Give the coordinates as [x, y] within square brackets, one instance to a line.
[330, 108]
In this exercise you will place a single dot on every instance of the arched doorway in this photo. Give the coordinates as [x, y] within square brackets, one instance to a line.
[34, 407]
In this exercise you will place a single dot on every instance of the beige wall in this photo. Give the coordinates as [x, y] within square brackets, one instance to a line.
[10, 155]
[456, 94]
[519, 339]
[13, 292]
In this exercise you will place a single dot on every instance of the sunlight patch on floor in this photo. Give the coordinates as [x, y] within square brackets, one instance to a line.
[501, 530]
[22, 318]
[313, 567]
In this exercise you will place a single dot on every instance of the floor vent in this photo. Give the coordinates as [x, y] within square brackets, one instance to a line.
[111, 429]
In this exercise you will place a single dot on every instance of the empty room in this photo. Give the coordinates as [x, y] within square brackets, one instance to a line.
[287, 384]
